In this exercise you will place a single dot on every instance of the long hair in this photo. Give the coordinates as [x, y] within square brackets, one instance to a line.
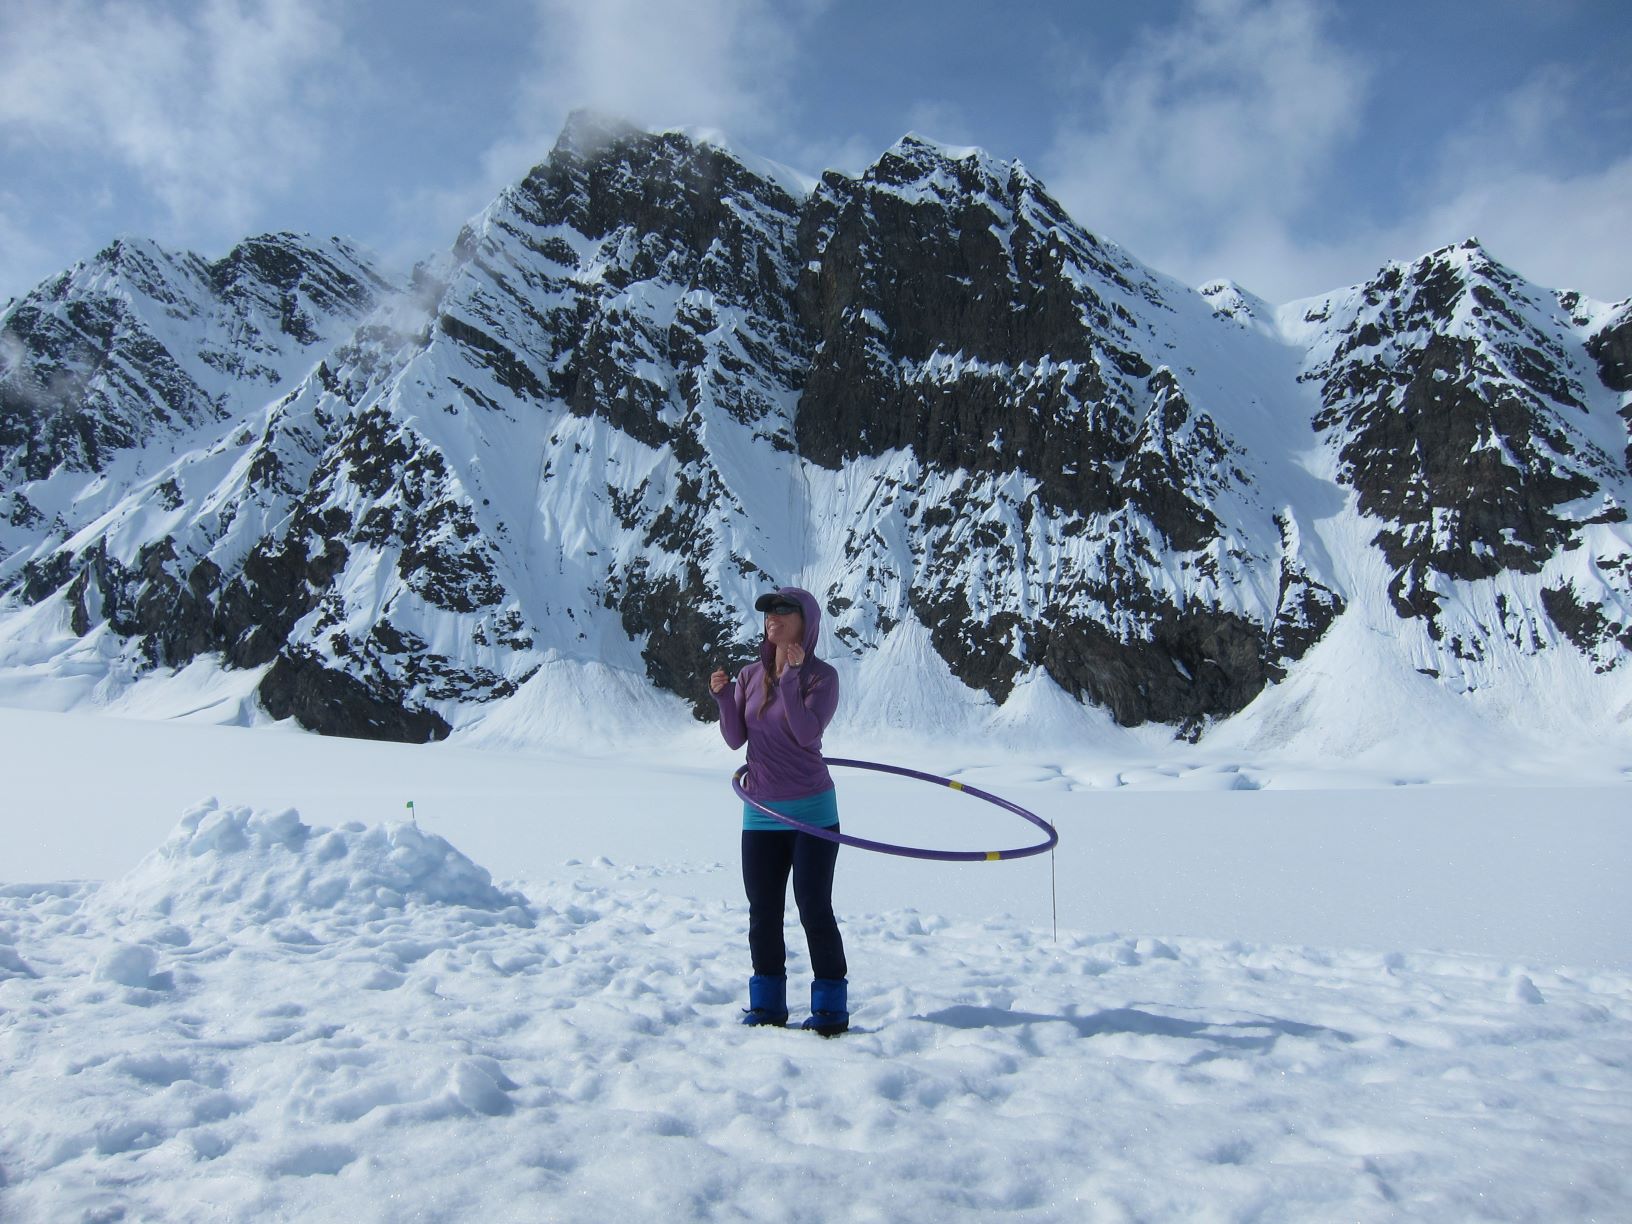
[770, 668]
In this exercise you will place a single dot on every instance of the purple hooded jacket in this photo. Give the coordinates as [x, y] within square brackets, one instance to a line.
[784, 734]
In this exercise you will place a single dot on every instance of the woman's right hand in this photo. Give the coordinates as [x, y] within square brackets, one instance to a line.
[718, 681]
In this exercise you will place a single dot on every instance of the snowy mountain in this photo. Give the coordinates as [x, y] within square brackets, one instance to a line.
[1470, 419]
[141, 350]
[1028, 476]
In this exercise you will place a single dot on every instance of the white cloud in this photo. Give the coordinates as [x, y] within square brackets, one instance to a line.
[717, 64]
[721, 64]
[1504, 178]
[1508, 179]
[1212, 130]
[212, 106]
[1211, 149]
[849, 154]
[1559, 230]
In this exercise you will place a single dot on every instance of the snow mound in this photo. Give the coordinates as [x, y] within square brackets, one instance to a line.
[235, 866]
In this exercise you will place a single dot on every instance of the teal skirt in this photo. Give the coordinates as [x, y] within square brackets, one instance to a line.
[820, 810]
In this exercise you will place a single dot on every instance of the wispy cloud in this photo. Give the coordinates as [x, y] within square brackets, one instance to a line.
[1211, 135]
[723, 63]
[1510, 179]
[212, 106]
[1564, 231]
[1506, 178]
[1215, 147]
[1215, 143]
[720, 64]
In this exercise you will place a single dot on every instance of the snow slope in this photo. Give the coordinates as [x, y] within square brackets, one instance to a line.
[1265, 1001]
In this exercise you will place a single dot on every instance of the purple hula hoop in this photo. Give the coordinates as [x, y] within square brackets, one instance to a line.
[945, 856]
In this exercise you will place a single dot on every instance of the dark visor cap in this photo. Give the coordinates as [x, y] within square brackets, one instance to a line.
[781, 605]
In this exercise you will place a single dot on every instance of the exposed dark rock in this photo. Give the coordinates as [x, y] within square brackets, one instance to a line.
[1462, 471]
[1587, 626]
[507, 367]
[1196, 666]
[980, 651]
[1170, 464]
[42, 579]
[1611, 347]
[687, 215]
[1461, 441]
[689, 631]
[280, 583]
[956, 322]
[175, 619]
[1304, 613]
[90, 380]
[332, 702]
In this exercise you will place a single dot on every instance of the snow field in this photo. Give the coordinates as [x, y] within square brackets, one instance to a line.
[270, 1020]
[1369, 1003]
[1075, 1094]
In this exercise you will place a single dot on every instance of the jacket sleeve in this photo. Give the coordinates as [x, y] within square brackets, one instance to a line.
[733, 722]
[809, 712]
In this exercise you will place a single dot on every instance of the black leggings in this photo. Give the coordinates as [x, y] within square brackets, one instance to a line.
[768, 855]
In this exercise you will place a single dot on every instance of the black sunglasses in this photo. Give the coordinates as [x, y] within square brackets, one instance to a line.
[783, 607]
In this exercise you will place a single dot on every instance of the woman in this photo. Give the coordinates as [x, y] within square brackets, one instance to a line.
[779, 707]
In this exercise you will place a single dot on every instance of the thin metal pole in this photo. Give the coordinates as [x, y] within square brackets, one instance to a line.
[1053, 892]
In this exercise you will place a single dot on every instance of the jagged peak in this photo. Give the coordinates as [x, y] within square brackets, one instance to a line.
[311, 245]
[916, 163]
[1225, 287]
[916, 159]
[914, 141]
[1228, 298]
[1473, 260]
[1470, 253]
[134, 253]
[590, 135]
[123, 244]
[795, 182]
[1446, 273]
[128, 263]
[927, 155]
[587, 132]
[290, 238]
[126, 250]
[915, 145]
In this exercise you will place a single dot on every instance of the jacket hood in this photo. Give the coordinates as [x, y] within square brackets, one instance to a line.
[813, 624]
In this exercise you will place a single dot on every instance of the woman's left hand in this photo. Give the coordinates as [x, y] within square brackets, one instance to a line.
[793, 654]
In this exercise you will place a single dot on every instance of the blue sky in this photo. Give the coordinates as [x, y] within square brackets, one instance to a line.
[1293, 145]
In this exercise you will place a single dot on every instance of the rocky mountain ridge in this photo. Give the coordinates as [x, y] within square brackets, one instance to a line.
[139, 353]
[654, 378]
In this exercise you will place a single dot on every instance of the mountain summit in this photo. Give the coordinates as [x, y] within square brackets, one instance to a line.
[543, 480]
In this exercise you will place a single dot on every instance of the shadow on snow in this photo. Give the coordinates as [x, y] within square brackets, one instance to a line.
[1247, 1036]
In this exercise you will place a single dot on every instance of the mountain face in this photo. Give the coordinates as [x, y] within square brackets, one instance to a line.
[139, 353]
[1473, 420]
[656, 377]
[1064, 405]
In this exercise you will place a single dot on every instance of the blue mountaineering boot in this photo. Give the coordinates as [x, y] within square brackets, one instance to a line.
[767, 1001]
[829, 1006]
